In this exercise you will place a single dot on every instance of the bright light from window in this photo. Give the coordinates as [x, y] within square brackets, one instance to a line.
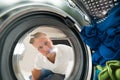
[19, 49]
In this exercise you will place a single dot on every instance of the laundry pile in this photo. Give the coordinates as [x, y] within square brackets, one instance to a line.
[104, 40]
[109, 72]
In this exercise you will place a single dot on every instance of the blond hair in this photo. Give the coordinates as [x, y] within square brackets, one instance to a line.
[36, 35]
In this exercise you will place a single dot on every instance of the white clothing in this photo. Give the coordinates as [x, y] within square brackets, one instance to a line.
[64, 54]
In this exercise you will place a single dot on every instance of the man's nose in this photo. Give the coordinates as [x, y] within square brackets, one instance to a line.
[46, 48]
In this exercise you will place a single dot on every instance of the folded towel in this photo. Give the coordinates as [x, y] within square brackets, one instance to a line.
[111, 71]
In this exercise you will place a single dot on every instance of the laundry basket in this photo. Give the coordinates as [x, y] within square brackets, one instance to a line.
[96, 9]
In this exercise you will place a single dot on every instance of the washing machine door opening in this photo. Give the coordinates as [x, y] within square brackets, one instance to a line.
[24, 54]
[17, 54]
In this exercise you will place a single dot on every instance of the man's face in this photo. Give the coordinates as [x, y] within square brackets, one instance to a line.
[43, 45]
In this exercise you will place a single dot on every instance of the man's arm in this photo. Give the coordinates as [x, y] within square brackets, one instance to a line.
[36, 74]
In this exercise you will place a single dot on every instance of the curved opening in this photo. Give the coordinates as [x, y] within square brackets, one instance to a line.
[18, 54]
[24, 54]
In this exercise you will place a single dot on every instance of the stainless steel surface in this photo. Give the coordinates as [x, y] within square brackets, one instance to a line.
[11, 9]
[61, 7]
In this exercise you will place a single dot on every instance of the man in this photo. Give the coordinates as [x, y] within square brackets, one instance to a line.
[52, 60]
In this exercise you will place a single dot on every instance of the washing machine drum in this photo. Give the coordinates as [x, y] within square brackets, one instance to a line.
[60, 21]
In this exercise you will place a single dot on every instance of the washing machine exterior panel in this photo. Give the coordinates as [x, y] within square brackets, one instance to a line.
[61, 7]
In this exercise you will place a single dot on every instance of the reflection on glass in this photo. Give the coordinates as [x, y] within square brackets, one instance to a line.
[47, 50]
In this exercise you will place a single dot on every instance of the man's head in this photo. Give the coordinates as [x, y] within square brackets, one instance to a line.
[41, 42]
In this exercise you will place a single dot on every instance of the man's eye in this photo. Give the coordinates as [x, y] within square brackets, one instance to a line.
[46, 43]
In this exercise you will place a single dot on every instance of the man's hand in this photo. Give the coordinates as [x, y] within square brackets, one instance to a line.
[35, 74]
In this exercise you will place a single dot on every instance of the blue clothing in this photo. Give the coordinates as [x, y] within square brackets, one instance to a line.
[49, 75]
[45, 74]
[104, 37]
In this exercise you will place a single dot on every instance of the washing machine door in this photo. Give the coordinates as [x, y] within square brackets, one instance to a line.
[59, 20]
